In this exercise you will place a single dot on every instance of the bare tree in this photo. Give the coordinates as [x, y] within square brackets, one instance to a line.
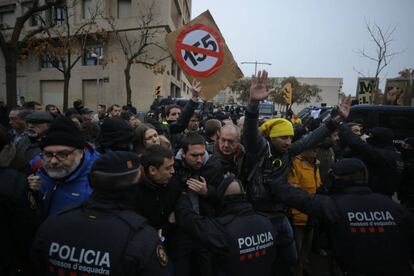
[141, 45]
[65, 43]
[383, 55]
[13, 40]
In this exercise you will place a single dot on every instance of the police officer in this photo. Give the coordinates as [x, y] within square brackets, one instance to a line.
[375, 234]
[102, 236]
[242, 241]
[379, 154]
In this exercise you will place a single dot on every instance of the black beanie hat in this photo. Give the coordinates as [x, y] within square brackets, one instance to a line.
[224, 185]
[38, 117]
[114, 170]
[348, 166]
[380, 137]
[115, 131]
[63, 131]
[352, 169]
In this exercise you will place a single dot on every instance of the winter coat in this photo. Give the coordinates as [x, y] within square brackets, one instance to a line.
[305, 176]
[156, 202]
[18, 221]
[265, 173]
[101, 237]
[238, 248]
[212, 173]
[374, 236]
[56, 195]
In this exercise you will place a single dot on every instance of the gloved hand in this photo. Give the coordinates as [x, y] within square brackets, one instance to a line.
[324, 207]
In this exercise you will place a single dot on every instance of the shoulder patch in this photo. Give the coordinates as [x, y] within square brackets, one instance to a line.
[162, 255]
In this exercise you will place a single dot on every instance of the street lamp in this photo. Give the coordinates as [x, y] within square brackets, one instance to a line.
[98, 58]
[255, 64]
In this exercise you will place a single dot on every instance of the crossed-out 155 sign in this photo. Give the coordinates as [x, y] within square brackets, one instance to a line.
[199, 50]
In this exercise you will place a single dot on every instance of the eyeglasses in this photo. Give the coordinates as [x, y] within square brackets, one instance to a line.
[61, 155]
[176, 113]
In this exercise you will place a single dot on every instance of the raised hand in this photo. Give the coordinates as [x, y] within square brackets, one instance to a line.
[196, 90]
[344, 107]
[258, 89]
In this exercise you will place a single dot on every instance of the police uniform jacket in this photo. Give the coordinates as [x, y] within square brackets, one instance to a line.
[242, 241]
[384, 165]
[99, 237]
[18, 221]
[374, 236]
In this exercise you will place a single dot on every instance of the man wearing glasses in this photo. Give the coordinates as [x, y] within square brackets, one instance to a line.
[61, 170]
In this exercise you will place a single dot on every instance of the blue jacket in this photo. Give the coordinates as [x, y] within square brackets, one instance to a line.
[56, 195]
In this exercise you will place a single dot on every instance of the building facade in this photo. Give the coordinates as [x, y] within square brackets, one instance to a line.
[330, 91]
[99, 77]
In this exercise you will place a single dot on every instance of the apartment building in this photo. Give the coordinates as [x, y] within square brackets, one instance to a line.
[98, 77]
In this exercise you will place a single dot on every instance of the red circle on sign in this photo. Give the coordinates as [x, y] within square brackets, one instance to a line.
[179, 46]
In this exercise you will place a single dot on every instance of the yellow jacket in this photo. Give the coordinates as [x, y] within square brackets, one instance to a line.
[305, 176]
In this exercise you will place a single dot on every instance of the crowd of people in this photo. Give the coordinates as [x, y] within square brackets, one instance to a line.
[179, 193]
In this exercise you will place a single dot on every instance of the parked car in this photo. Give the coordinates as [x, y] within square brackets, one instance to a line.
[322, 112]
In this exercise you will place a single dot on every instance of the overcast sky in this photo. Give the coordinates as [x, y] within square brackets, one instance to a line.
[312, 38]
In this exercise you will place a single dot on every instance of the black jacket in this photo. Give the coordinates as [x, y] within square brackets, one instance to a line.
[384, 164]
[26, 150]
[265, 173]
[406, 189]
[238, 248]
[100, 236]
[18, 221]
[375, 235]
[176, 129]
[156, 202]
[212, 173]
[232, 164]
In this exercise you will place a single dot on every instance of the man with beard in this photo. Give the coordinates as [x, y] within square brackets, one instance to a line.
[62, 168]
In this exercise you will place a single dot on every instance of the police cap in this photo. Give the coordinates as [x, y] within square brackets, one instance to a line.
[115, 170]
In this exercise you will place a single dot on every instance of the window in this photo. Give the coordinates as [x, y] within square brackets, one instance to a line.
[87, 9]
[124, 8]
[56, 15]
[173, 68]
[178, 73]
[175, 13]
[60, 15]
[47, 60]
[92, 54]
[175, 91]
[7, 18]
